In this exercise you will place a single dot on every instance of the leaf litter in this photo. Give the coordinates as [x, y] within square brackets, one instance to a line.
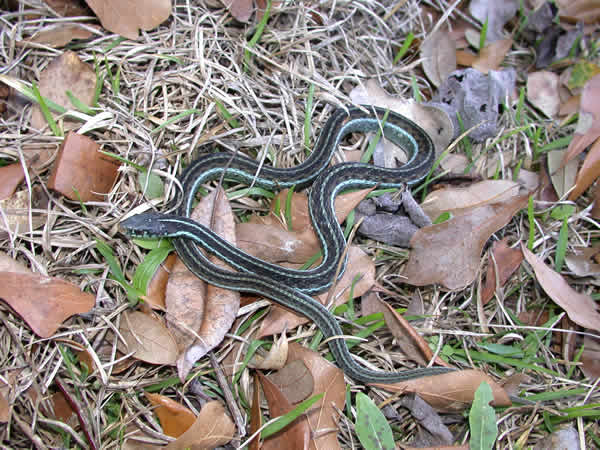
[182, 86]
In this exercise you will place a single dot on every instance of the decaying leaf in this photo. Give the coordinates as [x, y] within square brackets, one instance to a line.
[60, 35]
[542, 92]
[175, 418]
[492, 55]
[65, 73]
[212, 428]
[588, 126]
[126, 17]
[43, 302]
[10, 177]
[240, 9]
[157, 287]
[452, 391]
[294, 436]
[449, 252]
[200, 314]
[563, 176]
[438, 51]
[580, 307]
[81, 172]
[276, 357]
[147, 338]
[496, 14]
[506, 260]
[294, 380]
[583, 262]
[587, 11]
[589, 172]
[590, 358]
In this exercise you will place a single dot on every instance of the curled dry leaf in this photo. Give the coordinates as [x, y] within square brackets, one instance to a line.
[451, 392]
[449, 252]
[580, 308]
[542, 92]
[458, 199]
[590, 170]
[201, 314]
[294, 436]
[563, 176]
[507, 261]
[65, 73]
[43, 302]
[359, 264]
[81, 172]
[212, 428]
[157, 287]
[276, 357]
[59, 35]
[583, 262]
[492, 55]
[127, 17]
[147, 338]
[588, 126]
[175, 418]
[438, 51]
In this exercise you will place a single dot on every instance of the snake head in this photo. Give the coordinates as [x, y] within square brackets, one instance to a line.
[147, 225]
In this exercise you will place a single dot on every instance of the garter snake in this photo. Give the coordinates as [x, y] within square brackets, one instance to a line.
[291, 288]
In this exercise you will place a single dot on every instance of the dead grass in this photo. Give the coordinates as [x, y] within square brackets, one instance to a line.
[191, 62]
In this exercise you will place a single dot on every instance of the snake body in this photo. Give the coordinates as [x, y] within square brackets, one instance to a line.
[288, 287]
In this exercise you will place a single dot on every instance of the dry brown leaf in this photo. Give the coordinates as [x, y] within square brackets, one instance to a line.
[10, 177]
[449, 252]
[465, 58]
[570, 106]
[4, 409]
[147, 338]
[588, 126]
[43, 302]
[542, 92]
[276, 357]
[273, 244]
[492, 55]
[126, 17]
[590, 358]
[297, 434]
[586, 11]
[590, 170]
[563, 176]
[69, 8]
[294, 380]
[595, 213]
[65, 73]
[476, 194]
[255, 415]
[157, 287]
[201, 314]
[212, 428]
[582, 262]
[60, 35]
[175, 419]
[359, 264]
[580, 307]
[240, 9]
[451, 392]
[81, 172]
[507, 261]
[438, 51]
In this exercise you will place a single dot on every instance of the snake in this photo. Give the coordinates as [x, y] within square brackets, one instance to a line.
[292, 288]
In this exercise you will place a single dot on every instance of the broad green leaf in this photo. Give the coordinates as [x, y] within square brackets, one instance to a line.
[482, 419]
[372, 428]
[153, 187]
[146, 270]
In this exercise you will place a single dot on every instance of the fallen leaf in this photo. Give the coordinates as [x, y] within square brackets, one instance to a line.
[81, 172]
[157, 287]
[240, 9]
[212, 428]
[595, 213]
[582, 262]
[69, 8]
[17, 207]
[294, 380]
[590, 170]
[590, 358]
[359, 264]
[580, 307]
[491, 56]
[542, 92]
[276, 357]
[65, 73]
[564, 439]
[588, 126]
[433, 432]
[43, 302]
[496, 14]
[563, 176]
[175, 418]
[11, 176]
[507, 261]
[451, 392]
[201, 314]
[461, 198]
[438, 51]
[255, 415]
[126, 17]
[59, 35]
[586, 11]
[4, 409]
[294, 436]
[449, 253]
[147, 338]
